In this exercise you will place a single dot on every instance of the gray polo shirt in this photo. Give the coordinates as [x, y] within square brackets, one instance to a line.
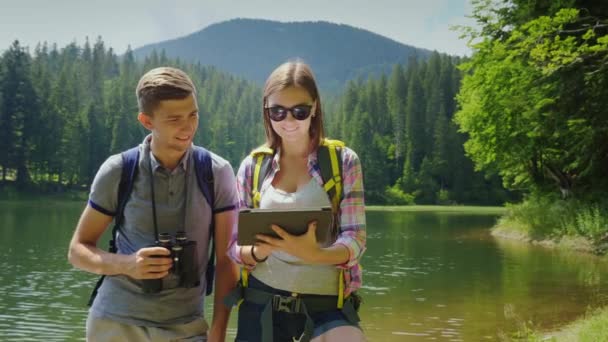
[179, 206]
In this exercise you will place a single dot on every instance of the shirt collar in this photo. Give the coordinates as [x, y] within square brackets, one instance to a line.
[183, 163]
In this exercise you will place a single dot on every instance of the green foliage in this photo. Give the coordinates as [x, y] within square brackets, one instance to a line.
[533, 105]
[539, 216]
[590, 328]
[546, 216]
[443, 197]
[63, 111]
[400, 126]
[82, 108]
[534, 95]
[395, 195]
[593, 328]
[18, 114]
[591, 222]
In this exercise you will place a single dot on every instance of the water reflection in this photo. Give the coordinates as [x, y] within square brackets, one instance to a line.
[427, 276]
[441, 276]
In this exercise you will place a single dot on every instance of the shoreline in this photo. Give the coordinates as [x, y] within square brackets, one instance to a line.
[590, 325]
[570, 243]
[66, 196]
[470, 209]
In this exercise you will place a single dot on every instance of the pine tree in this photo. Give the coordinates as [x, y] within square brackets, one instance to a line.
[397, 92]
[19, 114]
[414, 118]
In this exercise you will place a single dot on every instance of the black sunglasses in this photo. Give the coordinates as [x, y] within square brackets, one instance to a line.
[299, 112]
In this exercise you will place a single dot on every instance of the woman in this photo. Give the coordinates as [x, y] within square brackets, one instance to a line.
[298, 288]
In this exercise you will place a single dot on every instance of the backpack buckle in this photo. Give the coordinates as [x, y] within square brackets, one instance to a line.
[286, 304]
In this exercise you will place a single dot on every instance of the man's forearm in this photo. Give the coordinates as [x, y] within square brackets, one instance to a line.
[95, 260]
[225, 281]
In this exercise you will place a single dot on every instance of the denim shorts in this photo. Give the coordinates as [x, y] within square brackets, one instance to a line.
[286, 326]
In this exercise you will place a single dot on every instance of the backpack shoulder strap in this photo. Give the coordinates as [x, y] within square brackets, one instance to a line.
[203, 167]
[262, 159]
[329, 157]
[130, 160]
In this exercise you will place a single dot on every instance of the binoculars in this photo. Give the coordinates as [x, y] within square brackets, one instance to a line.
[185, 262]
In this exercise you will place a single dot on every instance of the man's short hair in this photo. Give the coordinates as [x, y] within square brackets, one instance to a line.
[159, 84]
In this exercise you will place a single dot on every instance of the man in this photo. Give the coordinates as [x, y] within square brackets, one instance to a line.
[165, 194]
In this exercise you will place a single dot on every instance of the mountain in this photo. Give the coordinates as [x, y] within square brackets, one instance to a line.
[252, 48]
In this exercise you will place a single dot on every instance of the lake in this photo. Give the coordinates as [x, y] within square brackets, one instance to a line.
[429, 275]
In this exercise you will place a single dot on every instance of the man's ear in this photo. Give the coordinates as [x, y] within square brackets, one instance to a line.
[145, 121]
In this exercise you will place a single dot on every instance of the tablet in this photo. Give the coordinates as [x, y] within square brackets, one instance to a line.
[294, 221]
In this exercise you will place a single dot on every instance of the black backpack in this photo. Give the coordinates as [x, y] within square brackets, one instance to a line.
[204, 177]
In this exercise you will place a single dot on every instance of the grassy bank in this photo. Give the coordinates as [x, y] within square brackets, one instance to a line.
[9, 192]
[439, 208]
[591, 328]
[572, 224]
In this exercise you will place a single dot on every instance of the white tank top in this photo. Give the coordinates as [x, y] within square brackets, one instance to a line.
[285, 271]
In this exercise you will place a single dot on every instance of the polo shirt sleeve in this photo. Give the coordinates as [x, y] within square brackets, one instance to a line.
[226, 197]
[104, 190]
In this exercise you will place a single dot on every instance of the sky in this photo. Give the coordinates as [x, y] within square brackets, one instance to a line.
[424, 24]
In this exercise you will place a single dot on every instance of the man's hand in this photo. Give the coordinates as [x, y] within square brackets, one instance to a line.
[149, 263]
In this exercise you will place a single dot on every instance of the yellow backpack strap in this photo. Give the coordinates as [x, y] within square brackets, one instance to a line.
[257, 184]
[262, 157]
[330, 162]
[245, 277]
[334, 142]
[336, 170]
[244, 283]
[341, 289]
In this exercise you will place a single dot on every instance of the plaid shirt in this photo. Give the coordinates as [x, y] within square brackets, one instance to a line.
[351, 213]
